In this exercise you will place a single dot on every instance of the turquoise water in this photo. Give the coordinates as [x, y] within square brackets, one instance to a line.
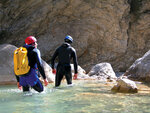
[83, 97]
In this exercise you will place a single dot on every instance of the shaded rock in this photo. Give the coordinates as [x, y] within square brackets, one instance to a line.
[140, 69]
[7, 66]
[125, 86]
[103, 71]
[118, 74]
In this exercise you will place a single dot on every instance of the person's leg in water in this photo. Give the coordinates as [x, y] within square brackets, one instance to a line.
[68, 75]
[26, 88]
[38, 86]
[24, 84]
[59, 75]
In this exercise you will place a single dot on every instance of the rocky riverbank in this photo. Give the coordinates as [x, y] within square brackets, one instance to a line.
[102, 71]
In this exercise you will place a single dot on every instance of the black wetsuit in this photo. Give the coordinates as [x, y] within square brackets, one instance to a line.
[65, 53]
[31, 79]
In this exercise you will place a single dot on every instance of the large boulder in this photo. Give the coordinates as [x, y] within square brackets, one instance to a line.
[140, 69]
[6, 61]
[81, 72]
[103, 71]
[125, 86]
[48, 72]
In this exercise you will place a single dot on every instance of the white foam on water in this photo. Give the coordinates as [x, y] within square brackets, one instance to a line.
[70, 85]
[11, 90]
[27, 93]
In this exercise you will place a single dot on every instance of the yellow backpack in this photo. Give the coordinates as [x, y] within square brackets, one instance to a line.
[21, 63]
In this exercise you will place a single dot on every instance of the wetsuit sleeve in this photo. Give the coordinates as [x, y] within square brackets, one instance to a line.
[74, 55]
[17, 78]
[39, 63]
[53, 58]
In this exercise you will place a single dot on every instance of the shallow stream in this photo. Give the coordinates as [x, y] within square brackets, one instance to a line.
[84, 97]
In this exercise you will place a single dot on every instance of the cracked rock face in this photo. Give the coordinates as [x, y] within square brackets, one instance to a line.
[100, 28]
[138, 33]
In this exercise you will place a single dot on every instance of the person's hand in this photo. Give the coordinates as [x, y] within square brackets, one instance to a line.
[54, 71]
[19, 87]
[45, 82]
[75, 76]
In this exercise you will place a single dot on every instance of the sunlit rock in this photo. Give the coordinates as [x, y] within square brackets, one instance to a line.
[125, 86]
[140, 69]
[48, 72]
[81, 72]
[103, 71]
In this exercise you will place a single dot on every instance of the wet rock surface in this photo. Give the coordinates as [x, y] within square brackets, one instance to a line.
[125, 86]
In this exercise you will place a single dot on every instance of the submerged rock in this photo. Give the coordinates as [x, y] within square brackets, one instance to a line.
[125, 86]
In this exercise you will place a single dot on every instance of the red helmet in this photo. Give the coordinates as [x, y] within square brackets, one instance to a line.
[30, 40]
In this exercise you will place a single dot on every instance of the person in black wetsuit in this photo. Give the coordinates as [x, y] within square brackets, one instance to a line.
[65, 53]
[31, 79]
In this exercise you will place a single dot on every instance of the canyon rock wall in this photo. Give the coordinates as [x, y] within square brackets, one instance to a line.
[114, 31]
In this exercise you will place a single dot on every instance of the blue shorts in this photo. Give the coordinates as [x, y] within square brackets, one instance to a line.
[30, 79]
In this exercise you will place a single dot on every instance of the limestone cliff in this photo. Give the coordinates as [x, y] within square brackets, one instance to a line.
[115, 31]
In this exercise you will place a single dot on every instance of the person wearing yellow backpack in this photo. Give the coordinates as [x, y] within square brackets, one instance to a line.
[31, 79]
